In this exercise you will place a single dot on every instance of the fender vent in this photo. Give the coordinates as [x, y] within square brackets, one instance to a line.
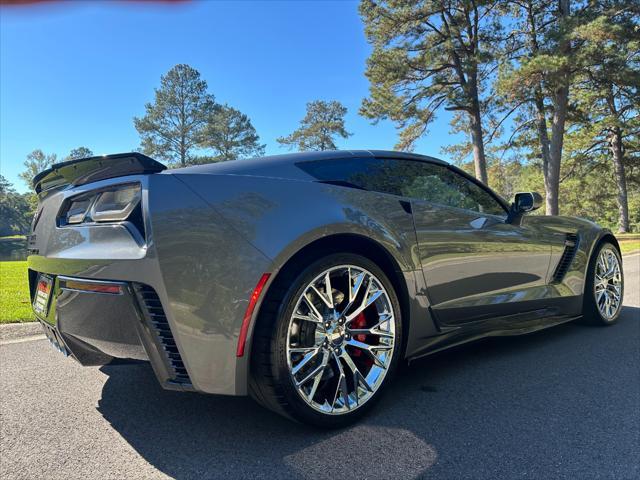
[570, 249]
[156, 318]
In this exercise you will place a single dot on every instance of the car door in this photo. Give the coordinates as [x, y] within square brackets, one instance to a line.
[476, 266]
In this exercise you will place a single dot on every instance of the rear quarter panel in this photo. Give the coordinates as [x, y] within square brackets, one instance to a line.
[208, 271]
[279, 217]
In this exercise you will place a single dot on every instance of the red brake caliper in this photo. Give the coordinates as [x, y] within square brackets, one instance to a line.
[360, 322]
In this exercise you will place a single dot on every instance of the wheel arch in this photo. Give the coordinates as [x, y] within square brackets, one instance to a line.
[346, 243]
[605, 236]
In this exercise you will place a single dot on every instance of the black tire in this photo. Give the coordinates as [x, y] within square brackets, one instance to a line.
[590, 311]
[270, 381]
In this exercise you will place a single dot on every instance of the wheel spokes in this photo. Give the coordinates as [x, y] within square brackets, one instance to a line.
[608, 283]
[358, 377]
[305, 360]
[318, 377]
[314, 315]
[327, 295]
[376, 329]
[318, 371]
[371, 350]
[330, 377]
[341, 387]
[371, 295]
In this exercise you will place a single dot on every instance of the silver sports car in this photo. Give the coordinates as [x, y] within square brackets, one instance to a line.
[302, 280]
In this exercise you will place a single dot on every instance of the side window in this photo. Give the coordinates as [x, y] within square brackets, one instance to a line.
[438, 184]
[374, 174]
[406, 178]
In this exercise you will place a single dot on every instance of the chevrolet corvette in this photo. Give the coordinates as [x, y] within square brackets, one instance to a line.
[302, 280]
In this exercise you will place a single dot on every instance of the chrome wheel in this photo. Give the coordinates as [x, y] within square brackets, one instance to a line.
[340, 339]
[608, 284]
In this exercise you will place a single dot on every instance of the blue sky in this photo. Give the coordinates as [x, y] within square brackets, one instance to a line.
[76, 74]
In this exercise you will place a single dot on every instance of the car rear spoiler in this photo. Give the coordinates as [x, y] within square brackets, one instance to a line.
[87, 170]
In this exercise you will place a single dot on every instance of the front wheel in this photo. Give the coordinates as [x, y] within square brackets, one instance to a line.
[604, 288]
[328, 341]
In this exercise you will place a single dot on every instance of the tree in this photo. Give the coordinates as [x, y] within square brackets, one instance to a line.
[429, 55]
[14, 210]
[539, 79]
[323, 122]
[80, 152]
[607, 90]
[36, 162]
[230, 134]
[173, 125]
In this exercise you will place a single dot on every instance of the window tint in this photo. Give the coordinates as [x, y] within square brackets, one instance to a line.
[438, 184]
[407, 178]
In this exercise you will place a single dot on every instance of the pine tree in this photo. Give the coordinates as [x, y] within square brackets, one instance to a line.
[173, 124]
[323, 122]
[430, 55]
[607, 91]
[538, 80]
[230, 134]
[80, 152]
[36, 162]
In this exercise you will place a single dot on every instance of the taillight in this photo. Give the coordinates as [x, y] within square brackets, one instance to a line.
[113, 204]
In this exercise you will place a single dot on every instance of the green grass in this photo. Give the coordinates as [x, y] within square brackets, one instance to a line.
[629, 242]
[14, 293]
[629, 246]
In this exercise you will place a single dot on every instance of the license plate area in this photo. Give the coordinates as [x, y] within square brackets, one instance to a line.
[42, 298]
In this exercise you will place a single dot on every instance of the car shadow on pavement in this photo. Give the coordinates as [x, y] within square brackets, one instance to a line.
[561, 402]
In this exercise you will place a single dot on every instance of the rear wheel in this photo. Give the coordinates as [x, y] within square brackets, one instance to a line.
[327, 341]
[604, 287]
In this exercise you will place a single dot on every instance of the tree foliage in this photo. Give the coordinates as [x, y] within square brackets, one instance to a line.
[605, 94]
[184, 125]
[14, 210]
[173, 124]
[429, 55]
[537, 70]
[323, 122]
[36, 162]
[230, 135]
[80, 152]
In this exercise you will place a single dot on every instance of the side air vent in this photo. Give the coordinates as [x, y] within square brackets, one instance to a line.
[570, 249]
[156, 318]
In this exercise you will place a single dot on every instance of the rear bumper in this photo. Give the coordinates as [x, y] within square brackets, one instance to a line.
[96, 327]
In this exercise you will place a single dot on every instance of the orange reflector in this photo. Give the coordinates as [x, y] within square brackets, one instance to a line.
[246, 321]
[93, 287]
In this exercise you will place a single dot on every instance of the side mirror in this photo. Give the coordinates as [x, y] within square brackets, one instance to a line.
[523, 202]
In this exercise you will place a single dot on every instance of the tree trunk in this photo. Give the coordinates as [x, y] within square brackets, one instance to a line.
[541, 114]
[543, 135]
[183, 152]
[479, 160]
[552, 173]
[618, 154]
[560, 103]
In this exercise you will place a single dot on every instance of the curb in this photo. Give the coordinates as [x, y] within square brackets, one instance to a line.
[13, 331]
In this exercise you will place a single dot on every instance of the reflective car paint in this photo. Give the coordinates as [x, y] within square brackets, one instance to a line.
[212, 231]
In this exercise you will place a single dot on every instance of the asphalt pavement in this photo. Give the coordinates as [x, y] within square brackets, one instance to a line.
[562, 403]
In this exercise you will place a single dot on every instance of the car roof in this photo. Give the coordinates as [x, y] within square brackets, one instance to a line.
[283, 166]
